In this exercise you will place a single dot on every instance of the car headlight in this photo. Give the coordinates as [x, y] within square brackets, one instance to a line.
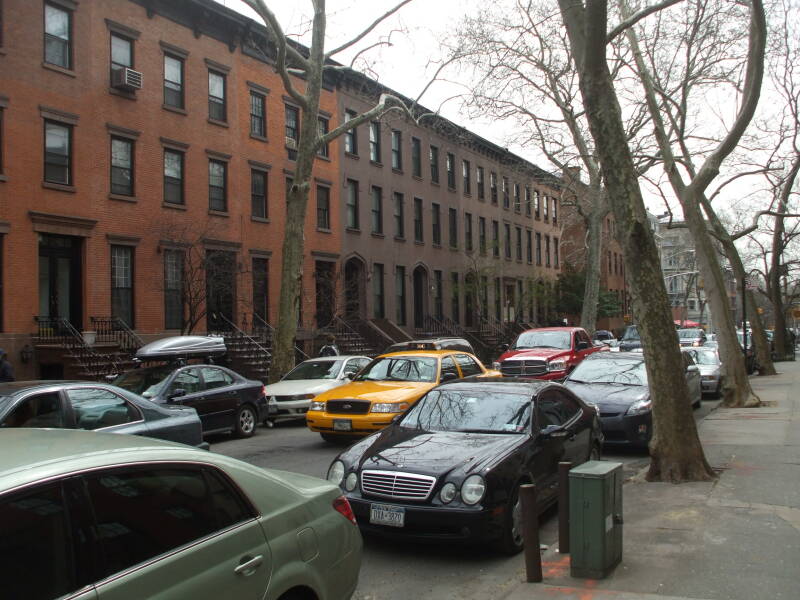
[472, 489]
[336, 472]
[389, 407]
[351, 482]
[317, 405]
[641, 406]
[557, 365]
[496, 366]
[448, 492]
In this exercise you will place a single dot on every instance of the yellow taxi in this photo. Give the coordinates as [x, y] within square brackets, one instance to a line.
[386, 387]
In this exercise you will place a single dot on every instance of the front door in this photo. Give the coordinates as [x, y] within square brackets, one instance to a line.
[60, 278]
[220, 290]
[420, 297]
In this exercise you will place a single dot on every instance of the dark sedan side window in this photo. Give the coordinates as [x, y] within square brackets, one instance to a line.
[143, 513]
[95, 408]
[189, 380]
[215, 378]
[555, 409]
[468, 365]
[448, 366]
[38, 410]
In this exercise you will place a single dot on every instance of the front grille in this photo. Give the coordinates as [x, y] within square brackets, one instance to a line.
[609, 414]
[347, 407]
[396, 485]
[291, 398]
[521, 368]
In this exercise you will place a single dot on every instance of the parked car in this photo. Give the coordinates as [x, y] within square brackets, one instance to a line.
[449, 343]
[616, 384]
[95, 407]
[707, 360]
[603, 335]
[750, 361]
[451, 467]
[386, 387]
[631, 340]
[93, 515]
[292, 395]
[691, 337]
[225, 401]
[547, 353]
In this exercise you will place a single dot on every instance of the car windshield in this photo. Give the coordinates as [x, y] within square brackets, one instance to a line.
[145, 382]
[400, 368]
[688, 333]
[631, 333]
[625, 371]
[315, 369]
[472, 411]
[706, 357]
[543, 339]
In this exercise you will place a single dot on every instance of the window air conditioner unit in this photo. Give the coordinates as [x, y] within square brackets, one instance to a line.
[291, 143]
[126, 79]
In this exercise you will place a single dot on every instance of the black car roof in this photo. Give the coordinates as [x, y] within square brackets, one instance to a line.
[526, 386]
[9, 388]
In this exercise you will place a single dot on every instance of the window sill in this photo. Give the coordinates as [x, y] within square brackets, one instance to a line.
[256, 219]
[481, 198]
[418, 243]
[218, 123]
[468, 194]
[377, 235]
[175, 109]
[122, 94]
[57, 69]
[121, 198]
[451, 189]
[3, 178]
[218, 213]
[321, 157]
[437, 246]
[59, 187]
[399, 238]
[375, 163]
[351, 155]
[353, 230]
[436, 183]
[398, 171]
[323, 230]
[453, 248]
[173, 205]
[417, 177]
[260, 138]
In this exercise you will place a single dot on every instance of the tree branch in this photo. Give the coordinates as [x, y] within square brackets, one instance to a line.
[635, 18]
[361, 35]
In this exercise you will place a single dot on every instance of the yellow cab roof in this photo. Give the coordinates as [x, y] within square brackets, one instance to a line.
[423, 353]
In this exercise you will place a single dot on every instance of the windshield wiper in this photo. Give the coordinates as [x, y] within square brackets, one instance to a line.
[482, 431]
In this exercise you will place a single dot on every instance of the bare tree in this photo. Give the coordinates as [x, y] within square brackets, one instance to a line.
[676, 453]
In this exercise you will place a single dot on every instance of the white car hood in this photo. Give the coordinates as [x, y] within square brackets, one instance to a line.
[303, 386]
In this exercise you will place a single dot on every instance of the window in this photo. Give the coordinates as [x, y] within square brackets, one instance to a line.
[397, 150]
[419, 235]
[378, 308]
[214, 378]
[216, 96]
[479, 182]
[465, 172]
[495, 239]
[399, 216]
[506, 199]
[536, 203]
[122, 284]
[449, 368]
[519, 243]
[377, 210]
[517, 201]
[351, 207]
[547, 251]
[173, 289]
[498, 300]
[555, 409]
[400, 290]
[258, 119]
[538, 249]
[217, 185]
[142, 512]
[545, 203]
[455, 304]
[2, 106]
[173, 81]
[258, 193]
[121, 53]
[322, 130]
[555, 253]
[323, 207]
[527, 201]
[57, 36]
[453, 223]
[351, 135]
[438, 305]
[434, 160]
[121, 166]
[292, 131]
[436, 225]
[482, 234]
[529, 246]
[493, 186]
[173, 176]
[416, 157]
[555, 211]
[468, 365]
[507, 239]
[96, 408]
[375, 142]
[468, 232]
[451, 170]
[39, 410]
[57, 153]
[261, 288]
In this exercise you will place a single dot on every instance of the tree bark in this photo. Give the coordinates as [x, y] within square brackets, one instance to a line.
[591, 294]
[676, 453]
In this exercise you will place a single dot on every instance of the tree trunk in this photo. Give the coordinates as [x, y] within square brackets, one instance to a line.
[676, 453]
[774, 283]
[763, 356]
[591, 294]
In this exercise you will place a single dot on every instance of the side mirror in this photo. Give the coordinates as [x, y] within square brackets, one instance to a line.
[502, 347]
[549, 430]
[582, 345]
[350, 376]
[449, 376]
[177, 393]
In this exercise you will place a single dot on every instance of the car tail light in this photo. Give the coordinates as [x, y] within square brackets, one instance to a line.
[264, 391]
[342, 506]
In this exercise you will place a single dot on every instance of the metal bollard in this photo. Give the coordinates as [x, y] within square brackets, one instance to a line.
[530, 532]
[563, 507]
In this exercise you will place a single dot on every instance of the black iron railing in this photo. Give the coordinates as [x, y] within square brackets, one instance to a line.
[60, 332]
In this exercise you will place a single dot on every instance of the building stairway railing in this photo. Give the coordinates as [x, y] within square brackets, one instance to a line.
[81, 360]
[247, 355]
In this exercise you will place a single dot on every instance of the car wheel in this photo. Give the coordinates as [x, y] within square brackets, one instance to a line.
[245, 424]
[511, 541]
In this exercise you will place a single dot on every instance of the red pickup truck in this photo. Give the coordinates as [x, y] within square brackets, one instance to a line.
[547, 353]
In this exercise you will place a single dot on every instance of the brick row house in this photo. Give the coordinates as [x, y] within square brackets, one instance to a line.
[145, 151]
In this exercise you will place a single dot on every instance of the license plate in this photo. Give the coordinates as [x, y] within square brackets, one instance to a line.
[342, 425]
[386, 514]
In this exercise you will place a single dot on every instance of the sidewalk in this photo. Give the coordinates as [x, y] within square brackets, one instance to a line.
[737, 538]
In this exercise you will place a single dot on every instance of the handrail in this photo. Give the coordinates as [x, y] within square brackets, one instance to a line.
[117, 330]
[89, 360]
[267, 327]
[373, 339]
[236, 329]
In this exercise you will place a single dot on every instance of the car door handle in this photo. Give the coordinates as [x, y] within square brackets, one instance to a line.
[249, 566]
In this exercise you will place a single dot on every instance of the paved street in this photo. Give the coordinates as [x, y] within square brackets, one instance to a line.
[391, 570]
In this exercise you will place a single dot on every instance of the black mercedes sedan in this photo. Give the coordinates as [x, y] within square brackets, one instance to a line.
[95, 407]
[450, 468]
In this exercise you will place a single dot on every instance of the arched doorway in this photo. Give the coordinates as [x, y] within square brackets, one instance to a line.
[420, 282]
[354, 288]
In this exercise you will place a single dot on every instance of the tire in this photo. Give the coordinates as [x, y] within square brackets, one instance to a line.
[245, 424]
[510, 542]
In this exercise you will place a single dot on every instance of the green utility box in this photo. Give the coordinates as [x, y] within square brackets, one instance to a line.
[595, 518]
